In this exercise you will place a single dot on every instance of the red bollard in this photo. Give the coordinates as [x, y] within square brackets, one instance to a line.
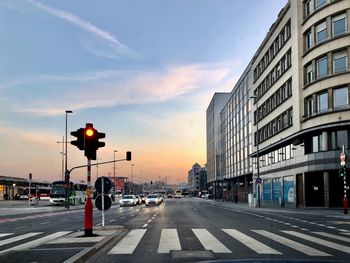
[88, 217]
[345, 205]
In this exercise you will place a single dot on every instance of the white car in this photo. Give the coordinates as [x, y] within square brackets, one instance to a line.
[152, 199]
[128, 200]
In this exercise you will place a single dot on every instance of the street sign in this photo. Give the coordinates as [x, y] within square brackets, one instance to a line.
[107, 184]
[258, 180]
[107, 202]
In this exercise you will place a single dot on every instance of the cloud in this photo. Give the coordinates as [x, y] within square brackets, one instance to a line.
[112, 42]
[114, 88]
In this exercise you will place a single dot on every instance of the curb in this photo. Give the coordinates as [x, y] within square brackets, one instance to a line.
[87, 253]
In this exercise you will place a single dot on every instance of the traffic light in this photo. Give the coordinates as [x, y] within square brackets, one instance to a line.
[79, 142]
[128, 156]
[91, 140]
[342, 171]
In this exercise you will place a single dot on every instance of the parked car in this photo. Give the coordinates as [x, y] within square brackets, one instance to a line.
[152, 199]
[170, 196]
[128, 200]
[138, 198]
[143, 198]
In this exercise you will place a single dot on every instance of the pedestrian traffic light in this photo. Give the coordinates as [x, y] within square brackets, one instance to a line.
[79, 142]
[342, 171]
[91, 139]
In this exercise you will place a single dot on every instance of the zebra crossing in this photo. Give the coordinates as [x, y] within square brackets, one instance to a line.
[258, 241]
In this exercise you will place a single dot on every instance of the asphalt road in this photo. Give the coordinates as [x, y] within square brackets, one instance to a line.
[181, 230]
[193, 230]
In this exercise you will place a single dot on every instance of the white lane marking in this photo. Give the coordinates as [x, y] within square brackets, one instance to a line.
[145, 225]
[319, 241]
[331, 227]
[45, 223]
[129, 243]
[17, 238]
[5, 234]
[36, 242]
[20, 227]
[64, 219]
[122, 217]
[292, 244]
[169, 240]
[345, 239]
[110, 221]
[209, 242]
[253, 244]
[149, 221]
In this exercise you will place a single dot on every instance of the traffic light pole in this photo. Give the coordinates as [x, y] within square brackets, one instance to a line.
[343, 172]
[88, 218]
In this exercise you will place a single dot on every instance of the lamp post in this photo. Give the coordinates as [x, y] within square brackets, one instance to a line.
[62, 153]
[66, 154]
[258, 180]
[115, 183]
[131, 178]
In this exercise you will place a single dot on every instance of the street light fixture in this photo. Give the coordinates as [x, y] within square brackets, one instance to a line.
[257, 146]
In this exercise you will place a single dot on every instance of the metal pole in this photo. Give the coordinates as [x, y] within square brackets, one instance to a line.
[115, 183]
[88, 217]
[62, 158]
[66, 154]
[345, 201]
[103, 202]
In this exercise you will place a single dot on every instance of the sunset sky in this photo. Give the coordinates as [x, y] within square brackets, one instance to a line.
[142, 71]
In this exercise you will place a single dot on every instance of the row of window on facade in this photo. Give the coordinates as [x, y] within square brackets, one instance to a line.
[322, 68]
[276, 99]
[310, 6]
[320, 32]
[280, 123]
[328, 100]
[276, 156]
[281, 67]
[275, 47]
[335, 140]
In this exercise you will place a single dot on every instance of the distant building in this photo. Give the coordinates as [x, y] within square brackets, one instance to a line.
[197, 179]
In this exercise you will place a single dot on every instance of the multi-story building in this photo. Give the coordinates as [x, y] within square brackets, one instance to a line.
[301, 113]
[197, 179]
[236, 140]
[214, 176]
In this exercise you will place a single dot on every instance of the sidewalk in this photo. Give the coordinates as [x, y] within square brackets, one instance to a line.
[315, 211]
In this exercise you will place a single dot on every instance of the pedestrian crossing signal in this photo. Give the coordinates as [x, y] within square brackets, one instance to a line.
[342, 171]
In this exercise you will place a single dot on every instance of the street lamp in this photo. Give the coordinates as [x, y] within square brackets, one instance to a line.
[131, 178]
[257, 145]
[62, 153]
[115, 183]
[66, 169]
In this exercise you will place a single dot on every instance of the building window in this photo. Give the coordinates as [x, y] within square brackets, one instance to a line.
[309, 74]
[339, 24]
[322, 102]
[322, 67]
[340, 62]
[321, 32]
[309, 106]
[340, 98]
[308, 40]
[315, 144]
[319, 3]
[342, 139]
[309, 7]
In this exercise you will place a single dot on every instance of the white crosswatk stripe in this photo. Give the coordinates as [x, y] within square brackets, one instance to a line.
[18, 238]
[319, 241]
[209, 242]
[36, 242]
[5, 234]
[253, 244]
[129, 243]
[292, 244]
[337, 237]
[169, 240]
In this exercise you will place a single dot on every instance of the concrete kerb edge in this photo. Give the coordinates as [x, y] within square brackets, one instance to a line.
[87, 253]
